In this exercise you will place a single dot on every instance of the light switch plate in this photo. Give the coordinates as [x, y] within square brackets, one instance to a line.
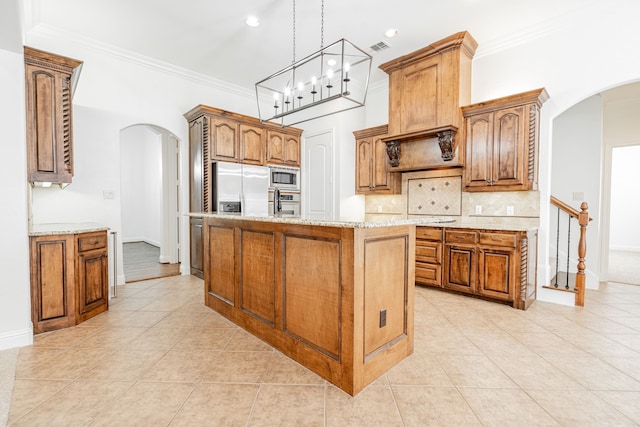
[510, 211]
[478, 209]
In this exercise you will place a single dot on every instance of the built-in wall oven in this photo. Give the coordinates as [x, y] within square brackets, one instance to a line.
[289, 203]
[284, 178]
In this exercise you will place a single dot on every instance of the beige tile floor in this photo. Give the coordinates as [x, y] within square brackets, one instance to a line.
[160, 357]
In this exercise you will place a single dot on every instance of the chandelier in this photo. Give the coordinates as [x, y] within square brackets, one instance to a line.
[329, 81]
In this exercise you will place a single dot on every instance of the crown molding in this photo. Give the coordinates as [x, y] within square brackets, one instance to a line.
[50, 32]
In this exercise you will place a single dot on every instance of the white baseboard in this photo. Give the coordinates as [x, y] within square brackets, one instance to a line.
[625, 248]
[14, 339]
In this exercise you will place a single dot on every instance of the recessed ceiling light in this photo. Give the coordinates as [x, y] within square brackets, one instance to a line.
[391, 33]
[252, 21]
[331, 62]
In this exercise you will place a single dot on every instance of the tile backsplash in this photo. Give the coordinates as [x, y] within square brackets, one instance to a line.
[434, 196]
[439, 193]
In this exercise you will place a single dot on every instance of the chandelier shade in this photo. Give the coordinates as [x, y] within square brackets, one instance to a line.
[329, 81]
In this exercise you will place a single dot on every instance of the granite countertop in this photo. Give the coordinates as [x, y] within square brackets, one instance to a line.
[64, 228]
[372, 221]
[328, 222]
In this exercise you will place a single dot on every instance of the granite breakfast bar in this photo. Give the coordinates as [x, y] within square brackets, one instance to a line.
[336, 296]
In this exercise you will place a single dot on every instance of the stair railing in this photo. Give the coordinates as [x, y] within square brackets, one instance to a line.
[582, 216]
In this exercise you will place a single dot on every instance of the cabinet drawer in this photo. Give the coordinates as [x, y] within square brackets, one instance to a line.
[498, 239]
[428, 251]
[87, 242]
[428, 274]
[428, 233]
[460, 237]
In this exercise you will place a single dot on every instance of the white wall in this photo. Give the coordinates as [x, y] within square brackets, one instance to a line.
[575, 168]
[15, 306]
[625, 199]
[141, 184]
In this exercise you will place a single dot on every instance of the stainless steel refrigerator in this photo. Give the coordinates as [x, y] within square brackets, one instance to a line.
[240, 188]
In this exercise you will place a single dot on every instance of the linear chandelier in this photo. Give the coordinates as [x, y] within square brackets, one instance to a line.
[329, 81]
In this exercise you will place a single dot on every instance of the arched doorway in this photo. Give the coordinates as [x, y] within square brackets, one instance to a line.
[584, 137]
[149, 180]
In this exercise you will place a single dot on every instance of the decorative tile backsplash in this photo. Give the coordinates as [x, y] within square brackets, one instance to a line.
[434, 196]
[439, 193]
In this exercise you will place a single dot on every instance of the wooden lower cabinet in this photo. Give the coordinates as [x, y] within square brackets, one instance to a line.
[69, 279]
[495, 265]
[460, 268]
[429, 256]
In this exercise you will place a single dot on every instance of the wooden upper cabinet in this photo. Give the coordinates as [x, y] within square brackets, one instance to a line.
[48, 88]
[252, 144]
[502, 143]
[283, 148]
[428, 86]
[372, 165]
[232, 137]
[224, 139]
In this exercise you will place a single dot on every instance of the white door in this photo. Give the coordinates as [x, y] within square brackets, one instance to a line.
[318, 173]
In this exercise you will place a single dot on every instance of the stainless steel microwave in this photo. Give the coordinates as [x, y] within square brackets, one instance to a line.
[284, 177]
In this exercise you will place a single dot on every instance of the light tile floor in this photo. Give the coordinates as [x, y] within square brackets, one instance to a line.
[160, 357]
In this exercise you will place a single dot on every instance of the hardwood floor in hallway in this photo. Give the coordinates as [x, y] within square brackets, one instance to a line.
[140, 261]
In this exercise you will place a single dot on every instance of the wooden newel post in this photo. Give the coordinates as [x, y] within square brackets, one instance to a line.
[583, 221]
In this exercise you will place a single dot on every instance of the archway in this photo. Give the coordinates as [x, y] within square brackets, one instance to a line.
[583, 139]
[149, 180]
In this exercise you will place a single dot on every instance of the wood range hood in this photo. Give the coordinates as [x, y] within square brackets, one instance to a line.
[426, 90]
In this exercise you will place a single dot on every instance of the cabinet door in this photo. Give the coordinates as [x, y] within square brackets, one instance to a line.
[275, 147]
[460, 268]
[224, 139]
[419, 91]
[52, 283]
[198, 167]
[382, 178]
[478, 167]
[364, 153]
[197, 247]
[292, 150]
[252, 144]
[93, 283]
[509, 156]
[49, 147]
[497, 273]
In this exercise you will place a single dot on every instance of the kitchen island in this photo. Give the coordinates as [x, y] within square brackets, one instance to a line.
[336, 296]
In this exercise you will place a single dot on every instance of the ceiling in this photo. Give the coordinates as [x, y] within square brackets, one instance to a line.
[210, 37]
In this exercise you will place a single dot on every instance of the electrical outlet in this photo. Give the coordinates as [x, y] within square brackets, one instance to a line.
[383, 317]
[107, 194]
[478, 209]
[510, 211]
[379, 208]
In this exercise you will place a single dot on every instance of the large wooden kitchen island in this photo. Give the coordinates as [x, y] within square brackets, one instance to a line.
[335, 296]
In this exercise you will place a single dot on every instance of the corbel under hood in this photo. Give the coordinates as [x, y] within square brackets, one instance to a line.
[426, 90]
